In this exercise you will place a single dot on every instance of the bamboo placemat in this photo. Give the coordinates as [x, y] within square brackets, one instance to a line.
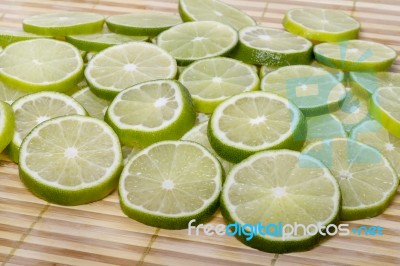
[33, 232]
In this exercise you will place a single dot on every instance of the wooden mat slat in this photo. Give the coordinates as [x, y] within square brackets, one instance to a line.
[33, 232]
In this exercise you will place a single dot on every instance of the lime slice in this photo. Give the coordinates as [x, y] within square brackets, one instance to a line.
[366, 83]
[170, 183]
[148, 23]
[255, 121]
[71, 160]
[193, 41]
[280, 188]
[324, 127]
[353, 111]
[7, 124]
[11, 35]
[266, 46]
[95, 106]
[321, 25]
[150, 112]
[367, 181]
[385, 108]
[100, 41]
[36, 108]
[9, 95]
[198, 134]
[214, 10]
[265, 69]
[211, 81]
[355, 55]
[314, 90]
[64, 23]
[373, 134]
[125, 65]
[41, 64]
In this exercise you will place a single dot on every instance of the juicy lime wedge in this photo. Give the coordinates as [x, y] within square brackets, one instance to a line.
[170, 183]
[314, 90]
[266, 46]
[280, 188]
[36, 108]
[211, 81]
[373, 134]
[64, 23]
[41, 64]
[122, 66]
[367, 181]
[355, 55]
[7, 124]
[71, 160]
[150, 112]
[193, 41]
[255, 121]
[321, 25]
[142, 23]
[192, 10]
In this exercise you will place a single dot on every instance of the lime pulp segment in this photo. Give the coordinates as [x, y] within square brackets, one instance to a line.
[95, 106]
[324, 127]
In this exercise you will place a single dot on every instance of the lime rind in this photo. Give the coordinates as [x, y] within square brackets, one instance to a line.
[7, 125]
[11, 35]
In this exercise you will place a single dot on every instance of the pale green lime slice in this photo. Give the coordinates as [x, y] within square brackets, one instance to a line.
[211, 81]
[170, 183]
[150, 112]
[193, 41]
[267, 46]
[147, 23]
[71, 160]
[355, 55]
[35, 108]
[9, 95]
[255, 121]
[122, 66]
[192, 10]
[11, 35]
[373, 134]
[7, 124]
[64, 23]
[314, 90]
[41, 64]
[321, 25]
[366, 83]
[276, 189]
[367, 181]
[95, 106]
[324, 127]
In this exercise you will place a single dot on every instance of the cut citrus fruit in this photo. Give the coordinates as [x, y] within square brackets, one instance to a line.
[321, 25]
[148, 23]
[324, 127]
[373, 134]
[100, 41]
[9, 95]
[266, 46]
[198, 134]
[170, 183]
[211, 81]
[71, 160]
[314, 90]
[35, 108]
[192, 10]
[122, 66]
[384, 107]
[11, 35]
[355, 55]
[128, 153]
[193, 41]
[255, 121]
[366, 83]
[41, 64]
[64, 23]
[151, 112]
[95, 106]
[278, 189]
[367, 181]
[7, 124]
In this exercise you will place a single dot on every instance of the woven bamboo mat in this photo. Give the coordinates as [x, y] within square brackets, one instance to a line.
[33, 232]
